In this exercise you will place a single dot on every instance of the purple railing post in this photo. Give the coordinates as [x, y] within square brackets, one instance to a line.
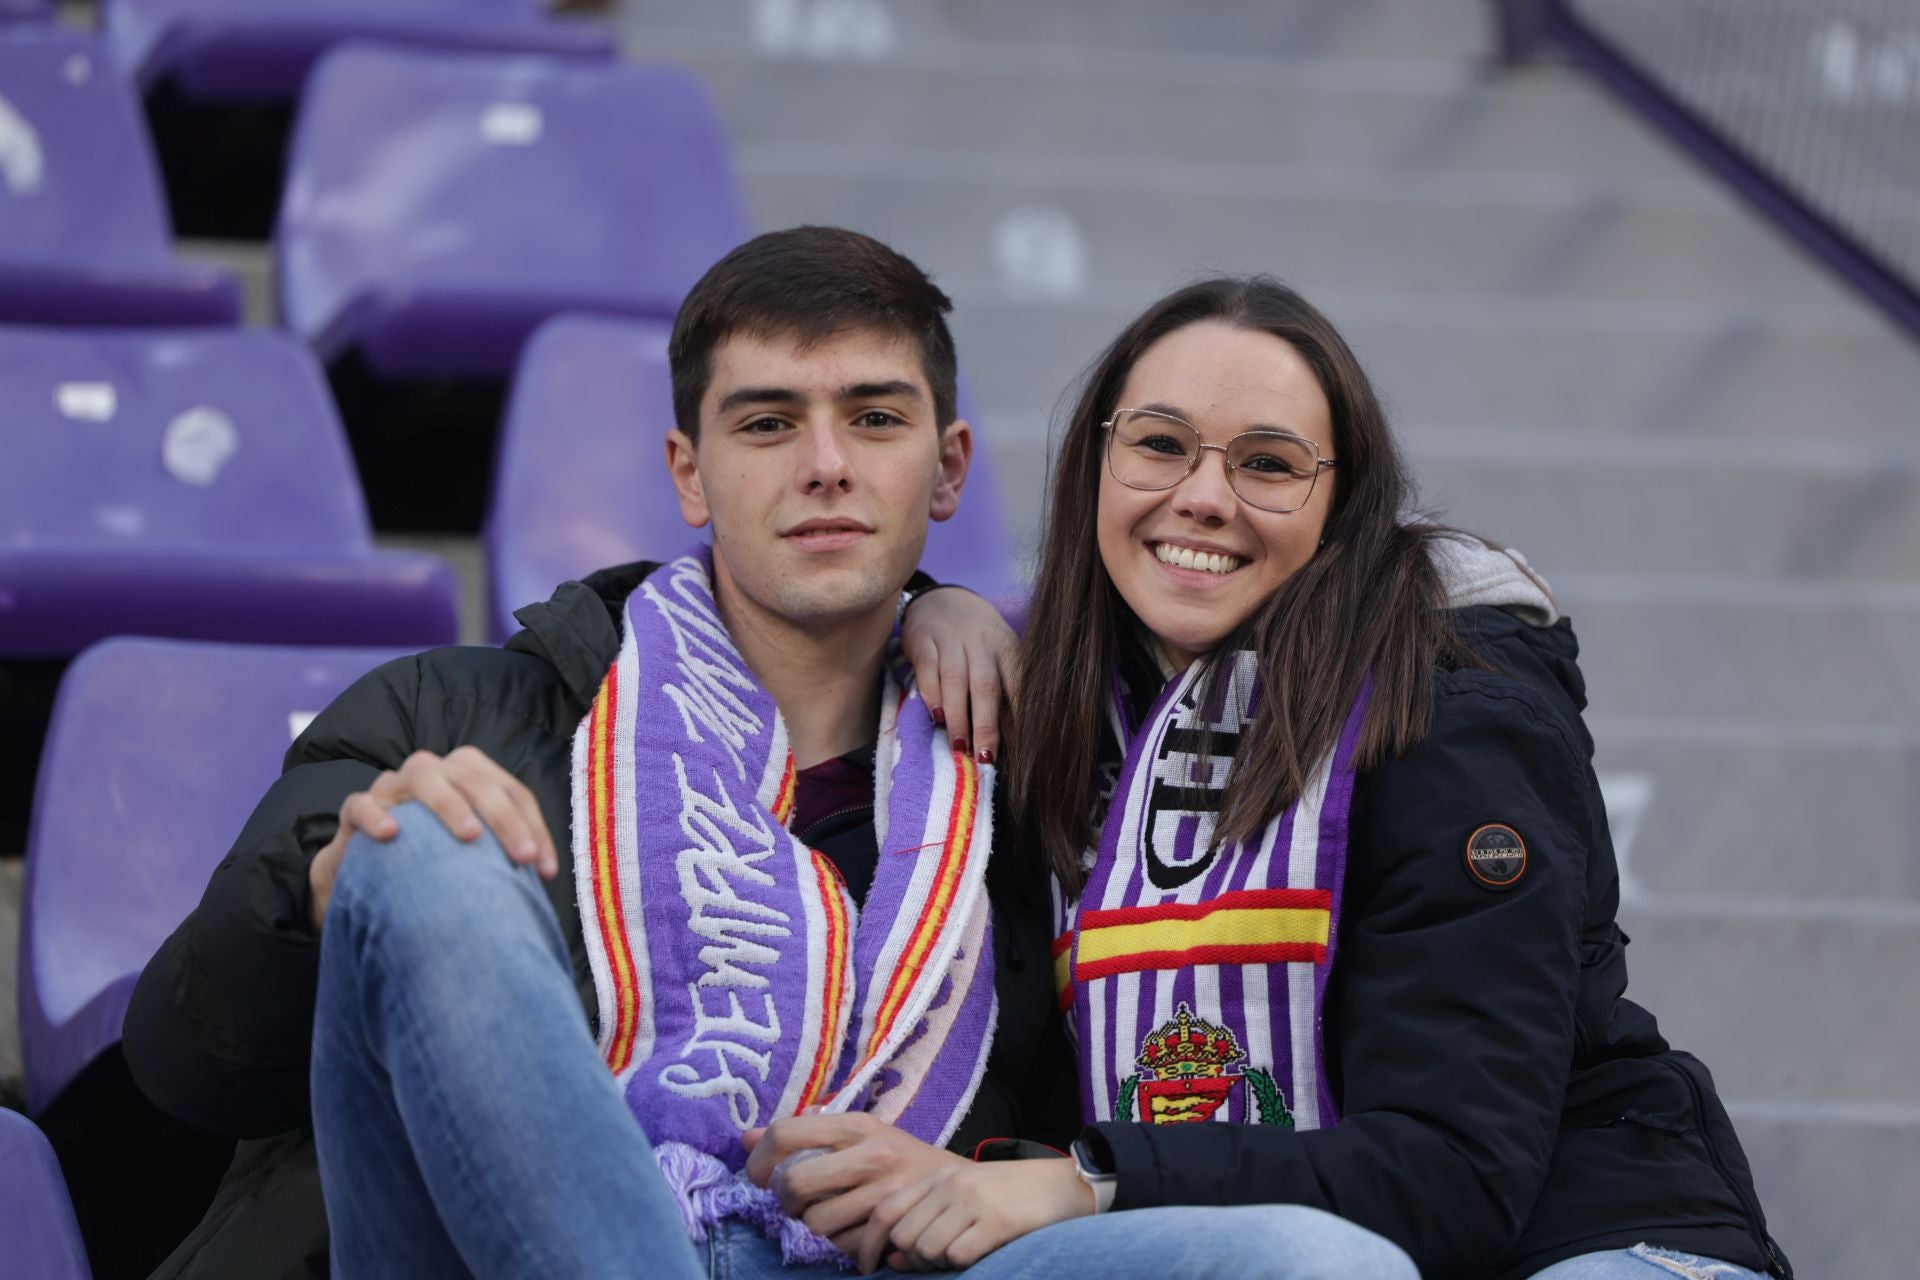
[1520, 26]
[1527, 25]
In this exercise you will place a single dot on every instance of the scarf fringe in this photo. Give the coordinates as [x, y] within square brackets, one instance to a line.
[707, 1193]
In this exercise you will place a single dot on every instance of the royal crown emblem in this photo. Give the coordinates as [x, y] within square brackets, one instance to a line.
[1187, 1074]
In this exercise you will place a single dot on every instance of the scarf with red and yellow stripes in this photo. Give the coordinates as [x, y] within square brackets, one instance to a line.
[1194, 974]
[736, 981]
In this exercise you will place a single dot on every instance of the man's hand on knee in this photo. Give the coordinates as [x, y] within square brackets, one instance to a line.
[465, 789]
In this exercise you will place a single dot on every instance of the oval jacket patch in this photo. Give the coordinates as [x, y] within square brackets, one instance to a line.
[1496, 856]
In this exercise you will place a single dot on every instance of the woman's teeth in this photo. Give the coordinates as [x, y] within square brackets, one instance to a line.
[1188, 558]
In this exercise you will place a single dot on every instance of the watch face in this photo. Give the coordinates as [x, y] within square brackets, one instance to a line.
[1089, 1167]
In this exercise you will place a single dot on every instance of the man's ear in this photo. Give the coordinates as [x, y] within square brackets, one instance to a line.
[956, 455]
[683, 466]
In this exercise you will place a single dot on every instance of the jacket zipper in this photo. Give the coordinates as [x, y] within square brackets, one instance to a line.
[1776, 1265]
[805, 836]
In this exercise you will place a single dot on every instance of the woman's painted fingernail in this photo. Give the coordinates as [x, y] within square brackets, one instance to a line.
[986, 755]
[940, 715]
[960, 745]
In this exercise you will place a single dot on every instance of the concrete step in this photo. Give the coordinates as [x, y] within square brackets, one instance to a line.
[1838, 1186]
[1582, 503]
[1338, 114]
[1576, 504]
[1747, 649]
[1053, 225]
[1763, 811]
[1416, 30]
[1474, 361]
[1788, 1005]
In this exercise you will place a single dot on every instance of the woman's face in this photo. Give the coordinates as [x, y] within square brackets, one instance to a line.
[1223, 380]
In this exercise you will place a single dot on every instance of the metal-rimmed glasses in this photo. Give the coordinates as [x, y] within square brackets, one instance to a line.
[1269, 469]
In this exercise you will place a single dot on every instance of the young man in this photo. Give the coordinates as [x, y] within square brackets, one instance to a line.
[463, 1103]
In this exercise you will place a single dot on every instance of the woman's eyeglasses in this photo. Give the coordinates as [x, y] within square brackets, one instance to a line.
[1271, 470]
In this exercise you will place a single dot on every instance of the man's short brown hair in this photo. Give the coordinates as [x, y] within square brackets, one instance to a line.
[808, 284]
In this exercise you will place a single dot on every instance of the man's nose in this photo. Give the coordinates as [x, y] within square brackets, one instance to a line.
[826, 464]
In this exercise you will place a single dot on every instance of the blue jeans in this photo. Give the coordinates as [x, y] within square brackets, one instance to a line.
[1280, 1241]
[1644, 1262]
[467, 1126]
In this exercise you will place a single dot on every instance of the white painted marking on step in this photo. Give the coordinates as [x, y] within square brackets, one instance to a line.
[1627, 796]
[1040, 252]
[1860, 69]
[87, 401]
[22, 163]
[824, 30]
[512, 124]
[128, 522]
[297, 722]
[198, 445]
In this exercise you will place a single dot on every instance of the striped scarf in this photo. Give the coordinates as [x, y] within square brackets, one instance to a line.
[736, 981]
[1195, 975]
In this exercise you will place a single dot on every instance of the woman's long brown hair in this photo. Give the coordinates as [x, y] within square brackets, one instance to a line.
[1369, 601]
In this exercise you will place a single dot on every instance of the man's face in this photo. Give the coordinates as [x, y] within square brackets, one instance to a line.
[818, 469]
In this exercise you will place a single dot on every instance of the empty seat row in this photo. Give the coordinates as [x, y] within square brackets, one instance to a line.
[262, 49]
[184, 737]
[84, 236]
[197, 483]
[438, 207]
[190, 483]
[42, 1239]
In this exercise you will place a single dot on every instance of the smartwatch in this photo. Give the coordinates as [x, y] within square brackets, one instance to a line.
[1105, 1182]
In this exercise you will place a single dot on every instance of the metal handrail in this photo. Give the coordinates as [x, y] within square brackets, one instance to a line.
[1526, 28]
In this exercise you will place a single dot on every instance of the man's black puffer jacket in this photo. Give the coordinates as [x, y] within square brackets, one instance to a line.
[1503, 1105]
[221, 1024]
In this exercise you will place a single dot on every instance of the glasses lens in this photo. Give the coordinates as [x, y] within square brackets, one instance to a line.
[1272, 471]
[1151, 452]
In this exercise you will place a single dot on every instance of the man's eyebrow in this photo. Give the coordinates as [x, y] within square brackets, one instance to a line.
[898, 389]
[742, 396]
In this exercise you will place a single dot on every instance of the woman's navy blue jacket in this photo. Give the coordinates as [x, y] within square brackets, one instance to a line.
[1503, 1105]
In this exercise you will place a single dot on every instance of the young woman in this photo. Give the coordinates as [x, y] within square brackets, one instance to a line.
[1336, 890]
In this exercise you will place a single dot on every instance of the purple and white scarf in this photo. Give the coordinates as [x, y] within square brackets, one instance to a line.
[1195, 975]
[736, 981]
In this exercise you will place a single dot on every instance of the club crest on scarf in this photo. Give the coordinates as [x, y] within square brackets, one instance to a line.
[1194, 971]
[736, 981]
[1187, 1073]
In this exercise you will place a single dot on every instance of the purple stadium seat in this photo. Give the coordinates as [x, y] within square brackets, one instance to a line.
[263, 49]
[439, 207]
[189, 483]
[581, 480]
[84, 237]
[41, 1237]
[158, 752]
